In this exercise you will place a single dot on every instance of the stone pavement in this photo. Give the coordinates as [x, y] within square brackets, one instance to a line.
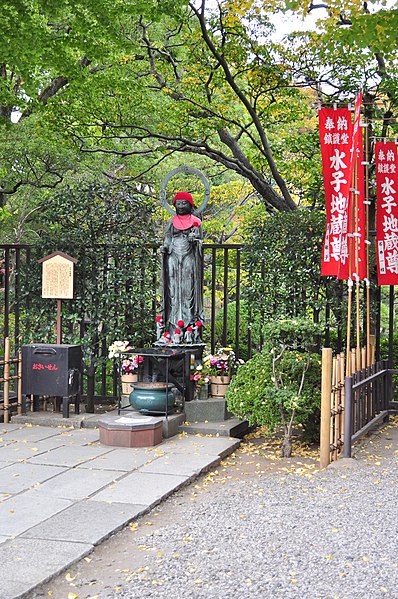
[62, 493]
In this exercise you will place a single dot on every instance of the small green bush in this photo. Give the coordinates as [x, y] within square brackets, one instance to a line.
[281, 384]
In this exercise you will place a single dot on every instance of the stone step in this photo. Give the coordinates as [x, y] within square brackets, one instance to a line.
[175, 423]
[210, 410]
[232, 427]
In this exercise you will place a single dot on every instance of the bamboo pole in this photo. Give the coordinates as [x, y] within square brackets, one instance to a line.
[333, 410]
[341, 384]
[326, 389]
[337, 407]
[353, 359]
[367, 242]
[356, 258]
[6, 398]
[348, 342]
[364, 353]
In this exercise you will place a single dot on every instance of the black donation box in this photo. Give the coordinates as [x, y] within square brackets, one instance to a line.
[51, 369]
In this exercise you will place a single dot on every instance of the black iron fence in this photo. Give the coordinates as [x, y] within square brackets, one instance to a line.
[116, 297]
[368, 396]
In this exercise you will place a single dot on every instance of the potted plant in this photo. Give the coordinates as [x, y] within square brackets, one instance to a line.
[218, 368]
[128, 365]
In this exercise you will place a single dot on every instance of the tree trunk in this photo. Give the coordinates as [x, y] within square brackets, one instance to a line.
[286, 447]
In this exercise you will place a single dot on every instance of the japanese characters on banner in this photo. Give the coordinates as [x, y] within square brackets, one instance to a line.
[354, 262]
[387, 213]
[344, 249]
[335, 130]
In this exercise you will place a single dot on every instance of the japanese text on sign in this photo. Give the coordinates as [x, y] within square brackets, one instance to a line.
[335, 128]
[40, 366]
[387, 213]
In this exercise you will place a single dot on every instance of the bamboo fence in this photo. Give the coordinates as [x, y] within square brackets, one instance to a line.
[7, 365]
[334, 369]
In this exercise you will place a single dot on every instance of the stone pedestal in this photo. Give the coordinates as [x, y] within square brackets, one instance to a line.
[210, 410]
[130, 431]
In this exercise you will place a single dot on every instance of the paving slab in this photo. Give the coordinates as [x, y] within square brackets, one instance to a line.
[13, 588]
[6, 428]
[72, 524]
[47, 521]
[80, 436]
[70, 456]
[19, 477]
[18, 451]
[179, 465]
[4, 441]
[191, 445]
[78, 484]
[50, 418]
[29, 562]
[124, 459]
[141, 488]
[20, 512]
[33, 433]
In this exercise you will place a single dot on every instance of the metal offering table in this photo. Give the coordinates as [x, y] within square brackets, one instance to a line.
[165, 361]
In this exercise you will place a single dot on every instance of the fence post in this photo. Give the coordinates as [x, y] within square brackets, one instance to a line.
[19, 384]
[348, 399]
[6, 388]
[326, 391]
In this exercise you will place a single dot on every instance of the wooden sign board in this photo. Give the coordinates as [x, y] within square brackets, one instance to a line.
[57, 276]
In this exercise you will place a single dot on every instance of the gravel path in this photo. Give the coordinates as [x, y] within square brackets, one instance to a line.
[328, 535]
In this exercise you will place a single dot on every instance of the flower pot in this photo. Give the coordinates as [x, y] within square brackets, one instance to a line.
[203, 393]
[127, 379]
[219, 385]
[151, 397]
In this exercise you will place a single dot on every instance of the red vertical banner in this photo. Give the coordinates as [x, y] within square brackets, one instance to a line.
[353, 237]
[387, 213]
[361, 268]
[335, 130]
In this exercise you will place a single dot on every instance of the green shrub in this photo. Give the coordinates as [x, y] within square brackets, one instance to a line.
[281, 384]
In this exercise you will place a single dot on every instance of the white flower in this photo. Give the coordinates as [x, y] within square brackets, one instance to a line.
[117, 347]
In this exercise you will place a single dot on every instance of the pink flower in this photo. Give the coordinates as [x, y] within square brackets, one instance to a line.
[177, 332]
[198, 324]
[180, 323]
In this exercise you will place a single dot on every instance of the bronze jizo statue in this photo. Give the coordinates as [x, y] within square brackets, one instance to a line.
[182, 270]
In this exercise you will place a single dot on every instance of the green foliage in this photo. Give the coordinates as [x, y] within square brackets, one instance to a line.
[384, 355]
[90, 211]
[291, 334]
[288, 247]
[252, 393]
[280, 385]
[102, 226]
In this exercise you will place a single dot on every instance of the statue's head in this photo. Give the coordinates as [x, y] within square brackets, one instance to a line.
[183, 202]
